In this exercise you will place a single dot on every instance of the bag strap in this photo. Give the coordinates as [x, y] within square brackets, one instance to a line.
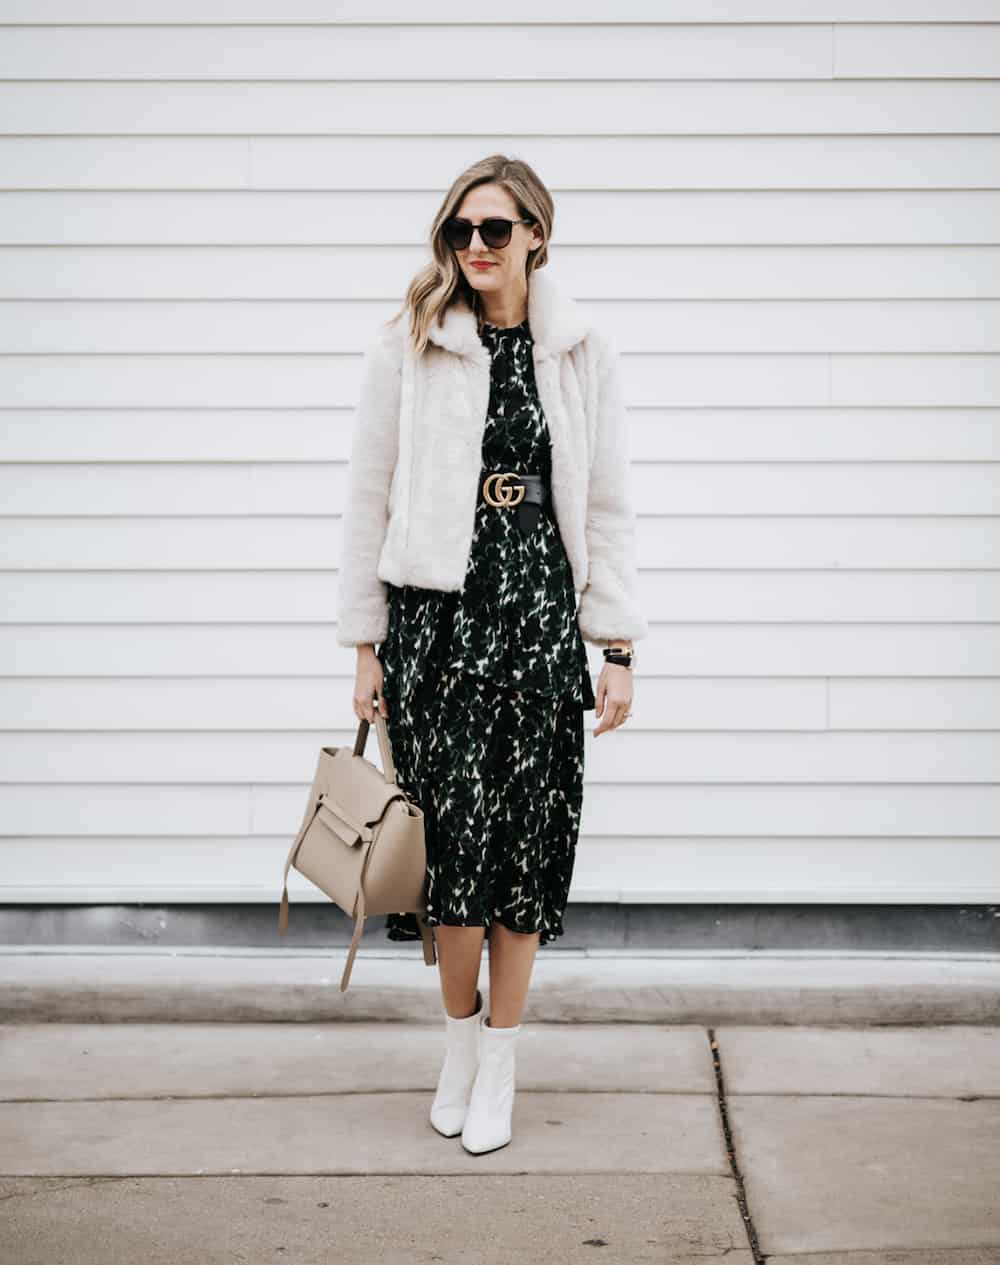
[427, 935]
[360, 910]
[296, 842]
[359, 924]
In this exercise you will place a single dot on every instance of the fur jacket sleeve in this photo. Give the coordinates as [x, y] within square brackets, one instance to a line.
[362, 608]
[609, 604]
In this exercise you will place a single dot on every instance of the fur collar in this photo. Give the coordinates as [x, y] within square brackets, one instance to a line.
[557, 321]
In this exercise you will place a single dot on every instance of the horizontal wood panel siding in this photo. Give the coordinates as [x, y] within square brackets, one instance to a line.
[788, 215]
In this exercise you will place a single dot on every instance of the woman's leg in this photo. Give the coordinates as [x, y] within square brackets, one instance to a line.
[512, 955]
[460, 951]
[488, 1116]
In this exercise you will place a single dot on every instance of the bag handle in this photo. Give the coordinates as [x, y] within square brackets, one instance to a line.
[382, 733]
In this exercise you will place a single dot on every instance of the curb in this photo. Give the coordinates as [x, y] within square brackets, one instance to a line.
[77, 984]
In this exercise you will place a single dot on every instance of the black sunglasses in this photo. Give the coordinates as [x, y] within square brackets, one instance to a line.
[494, 232]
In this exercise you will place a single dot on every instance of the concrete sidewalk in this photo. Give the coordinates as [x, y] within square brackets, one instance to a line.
[305, 1143]
[830, 1142]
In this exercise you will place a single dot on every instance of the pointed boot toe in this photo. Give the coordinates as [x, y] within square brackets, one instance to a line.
[458, 1071]
[491, 1104]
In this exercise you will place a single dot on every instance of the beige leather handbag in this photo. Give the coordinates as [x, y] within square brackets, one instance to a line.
[362, 841]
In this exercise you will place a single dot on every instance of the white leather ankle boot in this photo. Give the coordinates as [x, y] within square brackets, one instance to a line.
[491, 1104]
[458, 1071]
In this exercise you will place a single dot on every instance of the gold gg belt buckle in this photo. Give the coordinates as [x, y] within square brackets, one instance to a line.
[496, 492]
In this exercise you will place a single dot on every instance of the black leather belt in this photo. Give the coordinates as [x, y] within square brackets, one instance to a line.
[526, 494]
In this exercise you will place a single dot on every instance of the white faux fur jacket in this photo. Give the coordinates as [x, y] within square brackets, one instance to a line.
[416, 456]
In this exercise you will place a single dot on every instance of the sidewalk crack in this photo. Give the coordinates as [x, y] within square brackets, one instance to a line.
[741, 1194]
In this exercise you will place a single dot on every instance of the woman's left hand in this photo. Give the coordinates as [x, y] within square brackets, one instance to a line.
[613, 696]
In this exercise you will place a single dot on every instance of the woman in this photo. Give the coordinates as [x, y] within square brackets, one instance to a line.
[489, 484]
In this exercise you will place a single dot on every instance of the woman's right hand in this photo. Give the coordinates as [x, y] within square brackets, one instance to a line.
[368, 685]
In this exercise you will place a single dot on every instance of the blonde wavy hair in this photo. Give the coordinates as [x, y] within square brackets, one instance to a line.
[441, 282]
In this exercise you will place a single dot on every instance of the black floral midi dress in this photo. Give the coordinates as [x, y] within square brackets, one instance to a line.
[486, 688]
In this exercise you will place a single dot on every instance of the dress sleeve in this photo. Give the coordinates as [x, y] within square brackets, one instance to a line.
[609, 605]
[362, 606]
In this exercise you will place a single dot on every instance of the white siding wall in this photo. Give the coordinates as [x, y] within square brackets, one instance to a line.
[789, 213]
